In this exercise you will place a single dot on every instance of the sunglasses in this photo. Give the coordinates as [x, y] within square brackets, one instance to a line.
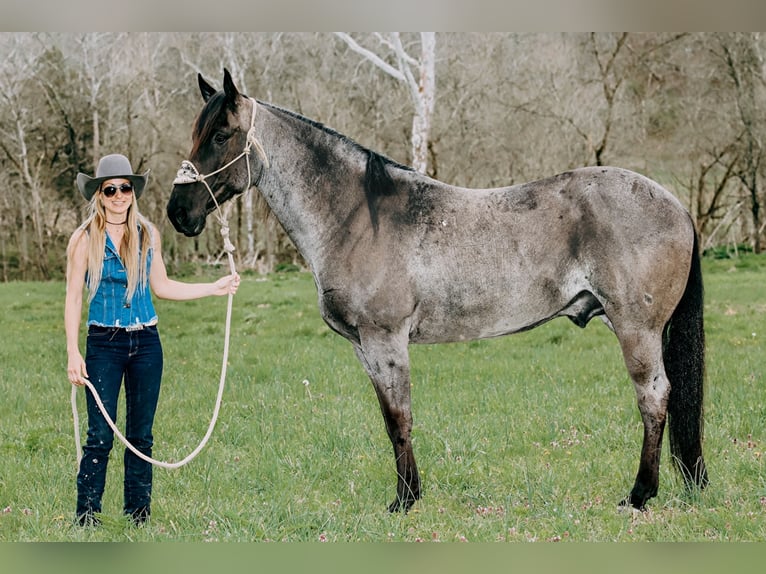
[110, 190]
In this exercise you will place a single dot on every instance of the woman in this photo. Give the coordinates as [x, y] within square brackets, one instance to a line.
[116, 254]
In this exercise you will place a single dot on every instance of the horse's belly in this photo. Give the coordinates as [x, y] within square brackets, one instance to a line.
[494, 291]
[464, 320]
[426, 333]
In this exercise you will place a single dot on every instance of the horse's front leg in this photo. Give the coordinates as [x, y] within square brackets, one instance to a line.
[385, 357]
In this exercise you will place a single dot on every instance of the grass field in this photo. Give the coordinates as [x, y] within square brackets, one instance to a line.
[533, 437]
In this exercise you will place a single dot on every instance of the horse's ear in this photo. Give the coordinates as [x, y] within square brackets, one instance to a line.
[206, 89]
[229, 88]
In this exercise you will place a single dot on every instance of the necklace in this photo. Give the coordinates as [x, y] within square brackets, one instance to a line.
[117, 223]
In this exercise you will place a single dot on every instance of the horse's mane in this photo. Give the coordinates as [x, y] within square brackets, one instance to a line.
[378, 182]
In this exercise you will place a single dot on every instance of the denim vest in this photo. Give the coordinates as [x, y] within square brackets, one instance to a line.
[109, 307]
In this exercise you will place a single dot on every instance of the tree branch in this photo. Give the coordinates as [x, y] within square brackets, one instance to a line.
[371, 56]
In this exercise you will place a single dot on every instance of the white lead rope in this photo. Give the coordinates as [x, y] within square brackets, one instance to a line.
[216, 409]
[187, 174]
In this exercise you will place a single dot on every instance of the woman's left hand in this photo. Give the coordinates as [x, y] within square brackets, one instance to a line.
[227, 285]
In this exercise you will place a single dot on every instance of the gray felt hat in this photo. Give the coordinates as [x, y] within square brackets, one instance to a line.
[111, 167]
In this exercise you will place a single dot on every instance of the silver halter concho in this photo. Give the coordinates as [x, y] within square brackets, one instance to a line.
[190, 174]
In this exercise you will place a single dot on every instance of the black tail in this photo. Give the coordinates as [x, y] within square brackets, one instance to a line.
[684, 357]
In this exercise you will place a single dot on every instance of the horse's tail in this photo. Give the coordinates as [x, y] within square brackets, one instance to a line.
[684, 357]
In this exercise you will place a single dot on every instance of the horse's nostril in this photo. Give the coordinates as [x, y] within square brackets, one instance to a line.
[177, 216]
[183, 221]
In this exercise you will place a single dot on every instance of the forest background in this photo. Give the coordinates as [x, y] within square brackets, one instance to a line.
[472, 109]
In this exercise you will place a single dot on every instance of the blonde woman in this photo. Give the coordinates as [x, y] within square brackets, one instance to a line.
[115, 255]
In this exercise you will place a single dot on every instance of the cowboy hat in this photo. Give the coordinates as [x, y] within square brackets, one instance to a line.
[114, 166]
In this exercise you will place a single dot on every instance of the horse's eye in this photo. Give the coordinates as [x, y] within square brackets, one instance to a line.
[220, 138]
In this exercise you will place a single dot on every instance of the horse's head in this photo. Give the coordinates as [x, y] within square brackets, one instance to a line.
[220, 165]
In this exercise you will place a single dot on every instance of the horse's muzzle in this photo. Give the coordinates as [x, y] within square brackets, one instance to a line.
[183, 222]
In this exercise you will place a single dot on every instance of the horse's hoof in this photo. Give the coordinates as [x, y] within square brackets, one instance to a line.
[628, 504]
[400, 505]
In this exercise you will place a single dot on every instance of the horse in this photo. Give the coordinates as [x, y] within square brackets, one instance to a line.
[399, 258]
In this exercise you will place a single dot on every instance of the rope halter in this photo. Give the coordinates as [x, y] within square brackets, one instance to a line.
[188, 173]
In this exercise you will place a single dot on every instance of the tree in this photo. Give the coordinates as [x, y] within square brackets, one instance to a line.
[419, 74]
[708, 182]
[24, 153]
[744, 65]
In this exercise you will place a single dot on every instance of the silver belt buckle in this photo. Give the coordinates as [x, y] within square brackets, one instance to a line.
[136, 327]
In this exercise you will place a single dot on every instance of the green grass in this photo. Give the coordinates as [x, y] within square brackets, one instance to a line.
[522, 438]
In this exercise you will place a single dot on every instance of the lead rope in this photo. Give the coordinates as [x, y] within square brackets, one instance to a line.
[187, 174]
[229, 249]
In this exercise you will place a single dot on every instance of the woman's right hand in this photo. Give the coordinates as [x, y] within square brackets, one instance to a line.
[76, 370]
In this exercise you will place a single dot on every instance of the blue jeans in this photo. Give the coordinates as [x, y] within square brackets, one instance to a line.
[113, 355]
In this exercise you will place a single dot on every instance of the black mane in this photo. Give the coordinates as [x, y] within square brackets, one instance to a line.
[207, 120]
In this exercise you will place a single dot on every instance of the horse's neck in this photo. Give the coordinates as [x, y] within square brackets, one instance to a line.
[310, 184]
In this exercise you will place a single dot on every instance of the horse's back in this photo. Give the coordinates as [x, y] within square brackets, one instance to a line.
[604, 196]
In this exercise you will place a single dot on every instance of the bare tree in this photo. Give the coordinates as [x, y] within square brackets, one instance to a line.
[18, 144]
[744, 65]
[419, 74]
[609, 79]
[707, 186]
[96, 63]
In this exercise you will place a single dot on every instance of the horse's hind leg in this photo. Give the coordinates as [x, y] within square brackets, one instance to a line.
[642, 351]
[385, 358]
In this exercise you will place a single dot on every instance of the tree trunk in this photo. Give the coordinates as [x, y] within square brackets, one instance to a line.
[424, 98]
[422, 90]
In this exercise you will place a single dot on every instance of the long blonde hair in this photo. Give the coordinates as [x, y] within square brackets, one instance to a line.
[136, 244]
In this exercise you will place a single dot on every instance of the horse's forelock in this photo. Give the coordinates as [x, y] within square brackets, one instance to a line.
[212, 116]
[207, 121]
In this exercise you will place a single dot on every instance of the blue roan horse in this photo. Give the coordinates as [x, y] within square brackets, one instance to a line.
[400, 258]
